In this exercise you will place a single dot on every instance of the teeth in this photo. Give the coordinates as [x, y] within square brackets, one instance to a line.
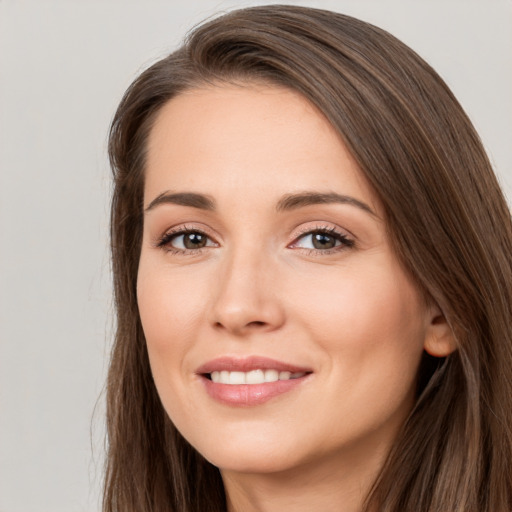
[271, 375]
[236, 377]
[253, 377]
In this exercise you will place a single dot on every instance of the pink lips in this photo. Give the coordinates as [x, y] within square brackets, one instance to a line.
[249, 394]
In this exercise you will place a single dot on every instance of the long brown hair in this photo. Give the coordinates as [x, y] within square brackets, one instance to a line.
[448, 221]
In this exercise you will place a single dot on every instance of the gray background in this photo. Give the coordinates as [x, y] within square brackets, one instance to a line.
[63, 67]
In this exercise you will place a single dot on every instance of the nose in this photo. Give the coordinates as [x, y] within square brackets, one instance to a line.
[246, 299]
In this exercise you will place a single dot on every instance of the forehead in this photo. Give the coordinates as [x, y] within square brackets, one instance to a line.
[257, 138]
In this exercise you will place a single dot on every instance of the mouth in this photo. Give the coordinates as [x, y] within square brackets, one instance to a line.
[250, 381]
[259, 376]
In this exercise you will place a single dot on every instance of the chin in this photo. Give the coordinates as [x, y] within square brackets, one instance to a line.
[253, 462]
[249, 452]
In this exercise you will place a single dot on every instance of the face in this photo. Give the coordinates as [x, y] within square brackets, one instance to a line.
[280, 327]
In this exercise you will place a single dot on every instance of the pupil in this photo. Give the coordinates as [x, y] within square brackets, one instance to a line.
[194, 240]
[323, 241]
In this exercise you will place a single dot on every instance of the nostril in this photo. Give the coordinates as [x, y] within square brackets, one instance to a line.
[254, 324]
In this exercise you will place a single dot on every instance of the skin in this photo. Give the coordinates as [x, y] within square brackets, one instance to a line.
[259, 287]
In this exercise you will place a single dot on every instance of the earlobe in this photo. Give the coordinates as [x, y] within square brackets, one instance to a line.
[439, 339]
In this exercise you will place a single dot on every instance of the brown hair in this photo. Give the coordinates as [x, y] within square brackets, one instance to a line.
[448, 222]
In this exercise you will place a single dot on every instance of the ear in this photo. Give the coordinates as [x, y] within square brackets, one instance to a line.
[439, 339]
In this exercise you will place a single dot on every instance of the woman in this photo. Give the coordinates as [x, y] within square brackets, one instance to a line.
[312, 275]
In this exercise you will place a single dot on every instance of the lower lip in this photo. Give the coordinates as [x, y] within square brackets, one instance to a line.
[246, 395]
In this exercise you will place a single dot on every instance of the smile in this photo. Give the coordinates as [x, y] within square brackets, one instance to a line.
[251, 380]
[253, 377]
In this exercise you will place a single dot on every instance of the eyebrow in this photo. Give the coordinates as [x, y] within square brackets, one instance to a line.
[286, 203]
[191, 199]
[302, 199]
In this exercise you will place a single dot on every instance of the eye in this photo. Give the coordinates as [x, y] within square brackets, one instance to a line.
[323, 240]
[185, 240]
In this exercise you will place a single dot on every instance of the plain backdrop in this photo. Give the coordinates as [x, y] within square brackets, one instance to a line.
[63, 67]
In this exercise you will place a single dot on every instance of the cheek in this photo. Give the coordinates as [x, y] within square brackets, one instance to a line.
[370, 326]
[168, 306]
[359, 299]
[372, 323]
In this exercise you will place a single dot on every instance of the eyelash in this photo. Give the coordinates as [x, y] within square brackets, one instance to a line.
[345, 241]
[164, 242]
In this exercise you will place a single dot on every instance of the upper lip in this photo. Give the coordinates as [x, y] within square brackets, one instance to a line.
[246, 364]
